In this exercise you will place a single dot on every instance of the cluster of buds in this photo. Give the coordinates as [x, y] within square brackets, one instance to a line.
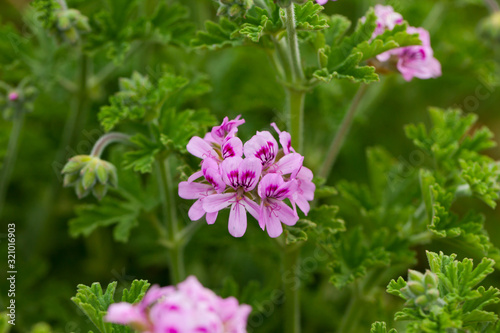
[17, 101]
[411, 61]
[89, 174]
[259, 183]
[187, 308]
[71, 24]
[422, 289]
[234, 8]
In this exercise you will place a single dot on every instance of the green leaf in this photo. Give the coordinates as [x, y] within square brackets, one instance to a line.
[307, 17]
[136, 291]
[94, 303]
[121, 210]
[217, 35]
[297, 233]
[483, 180]
[390, 39]
[142, 158]
[394, 287]
[381, 327]
[325, 217]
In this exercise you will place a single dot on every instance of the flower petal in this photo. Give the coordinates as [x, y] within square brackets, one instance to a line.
[252, 207]
[262, 146]
[269, 184]
[215, 202]
[211, 217]
[189, 190]
[288, 164]
[200, 148]
[211, 172]
[285, 213]
[273, 225]
[237, 220]
[229, 169]
[196, 211]
[249, 173]
[232, 147]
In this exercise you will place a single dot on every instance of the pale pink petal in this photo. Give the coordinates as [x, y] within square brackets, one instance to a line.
[305, 174]
[125, 313]
[229, 169]
[251, 206]
[285, 140]
[262, 146]
[285, 213]
[249, 173]
[211, 217]
[215, 202]
[189, 190]
[232, 147]
[269, 184]
[196, 211]
[200, 148]
[288, 164]
[211, 171]
[302, 203]
[237, 220]
[195, 176]
[273, 225]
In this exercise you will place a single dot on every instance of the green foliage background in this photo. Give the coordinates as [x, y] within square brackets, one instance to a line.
[149, 41]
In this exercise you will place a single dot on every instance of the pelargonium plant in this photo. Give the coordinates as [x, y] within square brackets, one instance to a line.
[258, 184]
[330, 235]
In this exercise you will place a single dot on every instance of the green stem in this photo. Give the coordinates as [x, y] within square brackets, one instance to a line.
[295, 107]
[106, 140]
[10, 157]
[291, 284]
[293, 44]
[338, 141]
[169, 209]
[352, 314]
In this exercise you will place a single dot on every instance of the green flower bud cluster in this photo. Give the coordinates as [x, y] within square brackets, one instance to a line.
[17, 101]
[422, 289]
[89, 173]
[71, 24]
[234, 8]
[490, 27]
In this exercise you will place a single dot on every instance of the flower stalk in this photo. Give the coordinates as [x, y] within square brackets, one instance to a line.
[106, 140]
[341, 134]
[169, 209]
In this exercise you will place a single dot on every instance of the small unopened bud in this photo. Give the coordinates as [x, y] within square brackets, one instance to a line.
[415, 276]
[431, 280]
[13, 96]
[89, 174]
[421, 300]
[416, 288]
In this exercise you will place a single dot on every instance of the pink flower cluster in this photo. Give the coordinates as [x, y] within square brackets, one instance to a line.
[412, 61]
[187, 308]
[259, 183]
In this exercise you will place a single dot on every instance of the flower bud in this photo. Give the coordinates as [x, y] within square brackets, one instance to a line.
[13, 96]
[415, 276]
[71, 24]
[421, 300]
[416, 288]
[89, 174]
[430, 280]
[234, 8]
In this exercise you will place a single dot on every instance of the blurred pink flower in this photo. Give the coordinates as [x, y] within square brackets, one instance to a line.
[187, 308]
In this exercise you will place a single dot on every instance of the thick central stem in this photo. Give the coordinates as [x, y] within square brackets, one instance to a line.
[169, 208]
[295, 107]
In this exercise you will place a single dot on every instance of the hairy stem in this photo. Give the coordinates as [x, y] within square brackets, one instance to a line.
[10, 157]
[169, 209]
[342, 132]
[295, 116]
[106, 140]
[352, 314]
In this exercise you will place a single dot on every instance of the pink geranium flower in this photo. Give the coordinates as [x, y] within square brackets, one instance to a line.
[322, 2]
[411, 61]
[187, 308]
[242, 175]
[226, 179]
[273, 190]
